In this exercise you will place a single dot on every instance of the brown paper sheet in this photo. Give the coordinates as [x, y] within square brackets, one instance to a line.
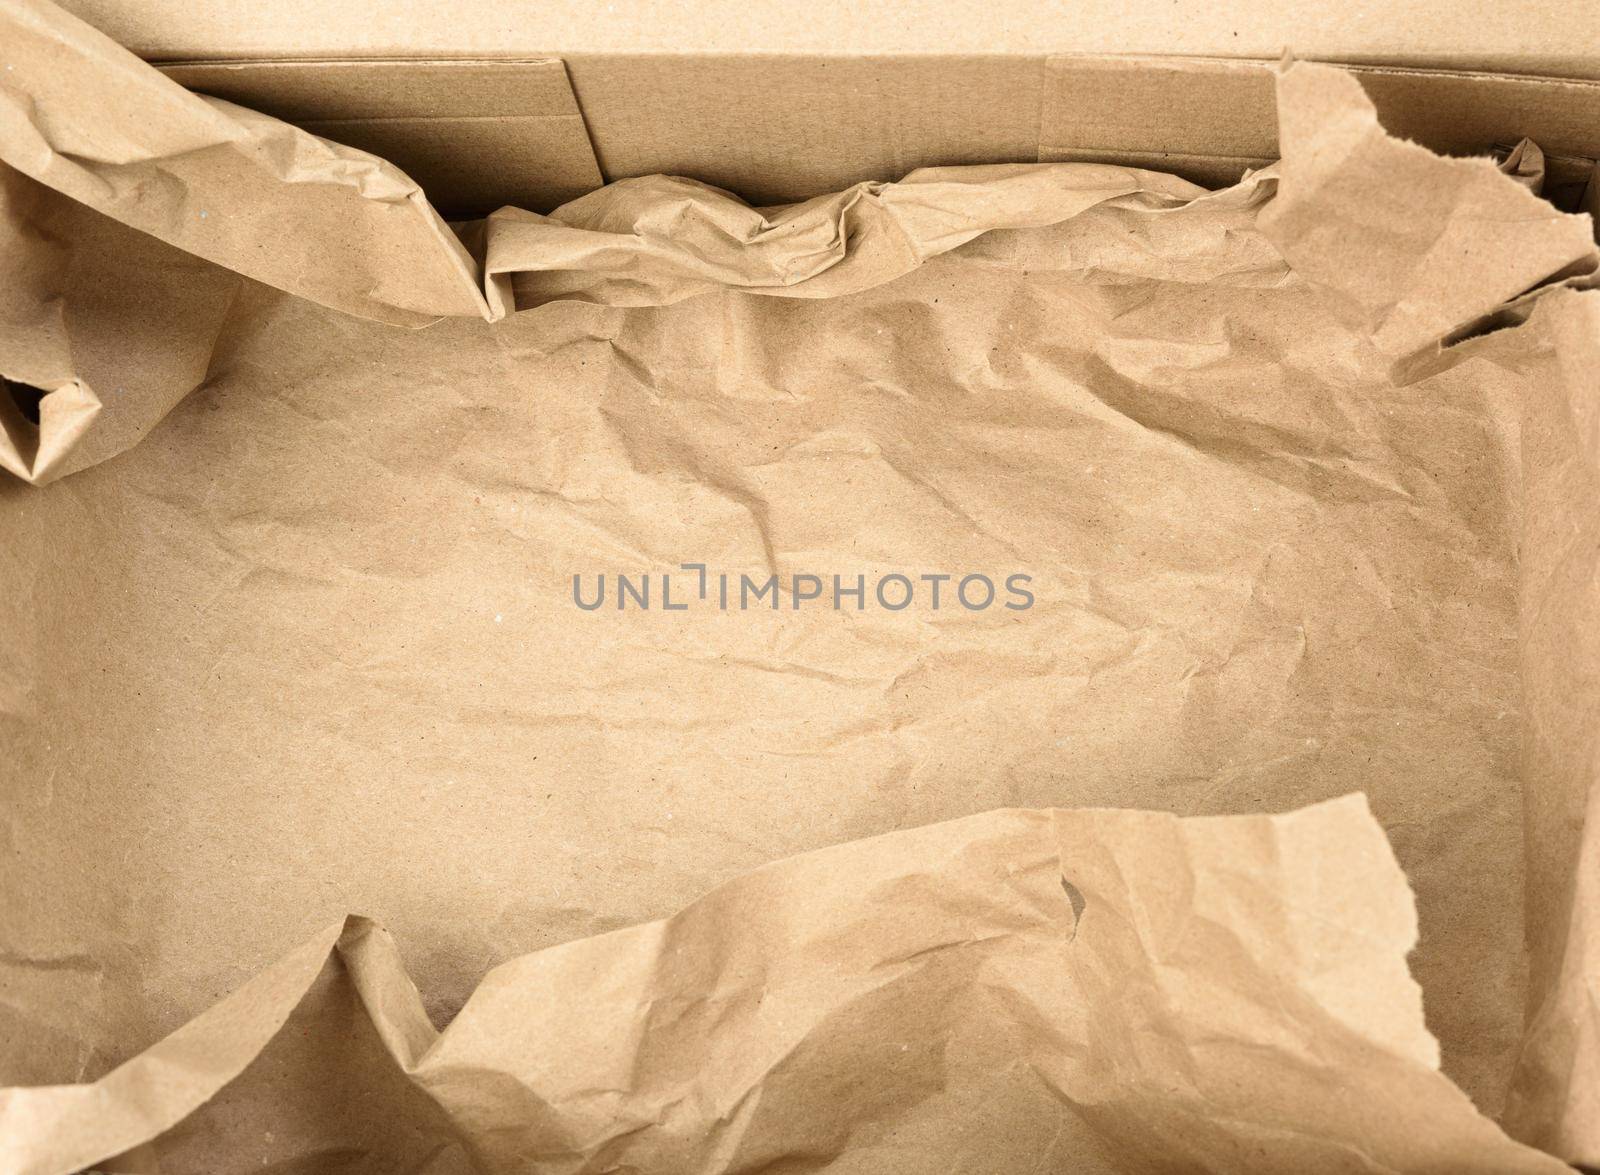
[1555, 1100]
[311, 646]
[655, 241]
[112, 365]
[258, 196]
[1038, 977]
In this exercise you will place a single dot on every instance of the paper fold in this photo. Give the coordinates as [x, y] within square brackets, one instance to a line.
[1418, 246]
[1214, 994]
[654, 241]
[255, 195]
[1222, 994]
[108, 327]
[1555, 1096]
[270, 202]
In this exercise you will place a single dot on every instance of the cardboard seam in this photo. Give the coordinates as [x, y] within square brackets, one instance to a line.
[1107, 149]
[1177, 63]
[376, 118]
[252, 62]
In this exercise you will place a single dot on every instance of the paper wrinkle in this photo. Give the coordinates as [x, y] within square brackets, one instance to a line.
[1417, 245]
[1262, 958]
[1525, 164]
[346, 229]
[110, 366]
[659, 240]
[66, 1128]
[1555, 1097]
[1233, 995]
[1336, 937]
[356, 235]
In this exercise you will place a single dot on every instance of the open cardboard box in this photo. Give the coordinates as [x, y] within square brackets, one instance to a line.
[1243, 826]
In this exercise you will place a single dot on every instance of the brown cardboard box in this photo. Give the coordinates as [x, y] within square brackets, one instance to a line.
[781, 101]
[560, 588]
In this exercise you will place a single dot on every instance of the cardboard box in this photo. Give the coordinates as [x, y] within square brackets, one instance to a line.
[999, 589]
[780, 102]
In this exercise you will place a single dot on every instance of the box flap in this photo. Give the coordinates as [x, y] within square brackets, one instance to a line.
[1513, 38]
[439, 121]
[1209, 119]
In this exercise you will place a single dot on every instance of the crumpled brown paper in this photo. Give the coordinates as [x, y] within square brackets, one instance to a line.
[1399, 233]
[1297, 523]
[1555, 1100]
[1013, 988]
[658, 240]
[255, 195]
[112, 365]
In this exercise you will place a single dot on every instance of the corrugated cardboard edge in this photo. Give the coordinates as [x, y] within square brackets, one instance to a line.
[781, 128]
